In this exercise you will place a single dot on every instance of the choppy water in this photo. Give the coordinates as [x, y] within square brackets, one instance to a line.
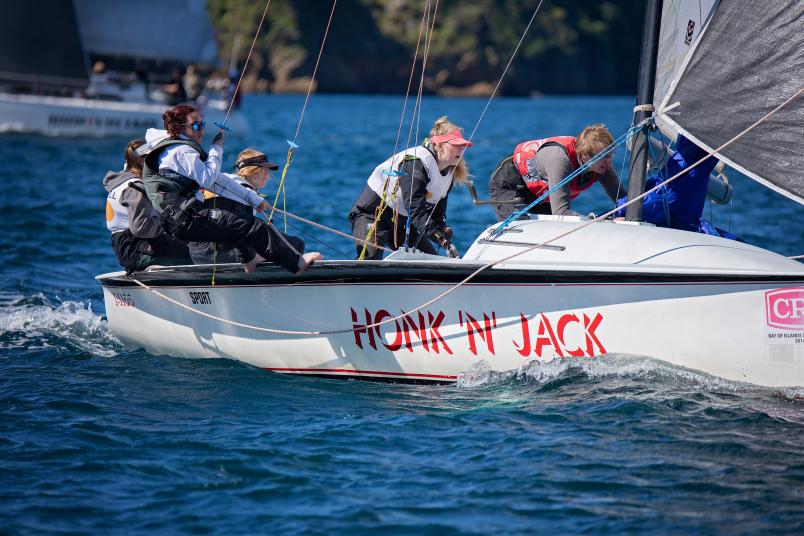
[97, 437]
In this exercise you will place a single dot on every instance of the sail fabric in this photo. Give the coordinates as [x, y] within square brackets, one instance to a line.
[749, 60]
[40, 44]
[681, 23]
[175, 30]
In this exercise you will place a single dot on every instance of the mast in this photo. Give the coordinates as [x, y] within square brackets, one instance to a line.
[643, 108]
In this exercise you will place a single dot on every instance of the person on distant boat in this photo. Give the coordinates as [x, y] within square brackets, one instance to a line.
[174, 90]
[680, 204]
[413, 184]
[174, 171]
[137, 238]
[192, 83]
[253, 169]
[101, 84]
[539, 165]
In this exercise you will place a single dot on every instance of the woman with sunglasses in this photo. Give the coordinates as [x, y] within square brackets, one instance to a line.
[538, 165]
[252, 171]
[175, 170]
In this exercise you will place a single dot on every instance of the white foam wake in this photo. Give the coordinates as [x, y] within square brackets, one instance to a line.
[35, 325]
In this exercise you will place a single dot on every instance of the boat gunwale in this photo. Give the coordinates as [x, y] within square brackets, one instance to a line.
[353, 272]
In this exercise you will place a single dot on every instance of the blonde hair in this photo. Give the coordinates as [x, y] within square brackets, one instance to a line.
[445, 126]
[248, 171]
[592, 140]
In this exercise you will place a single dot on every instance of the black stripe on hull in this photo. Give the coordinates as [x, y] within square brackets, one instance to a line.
[384, 272]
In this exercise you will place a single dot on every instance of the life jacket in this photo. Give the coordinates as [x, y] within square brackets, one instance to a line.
[166, 187]
[526, 151]
[385, 185]
[117, 214]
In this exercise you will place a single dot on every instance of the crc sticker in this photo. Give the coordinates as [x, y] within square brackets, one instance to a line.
[784, 313]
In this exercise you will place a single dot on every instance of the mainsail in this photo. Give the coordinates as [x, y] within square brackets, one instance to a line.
[179, 30]
[681, 24]
[748, 60]
[40, 45]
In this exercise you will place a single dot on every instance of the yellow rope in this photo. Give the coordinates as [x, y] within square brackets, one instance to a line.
[281, 187]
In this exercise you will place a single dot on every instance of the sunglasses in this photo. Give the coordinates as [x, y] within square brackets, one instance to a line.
[196, 125]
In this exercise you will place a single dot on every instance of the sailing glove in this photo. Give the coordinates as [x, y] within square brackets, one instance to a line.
[218, 139]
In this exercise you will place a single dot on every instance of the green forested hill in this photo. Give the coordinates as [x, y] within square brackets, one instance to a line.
[574, 46]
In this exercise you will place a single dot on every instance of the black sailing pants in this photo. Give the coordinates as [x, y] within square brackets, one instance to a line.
[506, 184]
[386, 233]
[217, 225]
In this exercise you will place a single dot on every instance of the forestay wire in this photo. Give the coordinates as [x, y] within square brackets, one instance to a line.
[491, 97]
[292, 143]
[391, 174]
[474, 274]
[245, 65]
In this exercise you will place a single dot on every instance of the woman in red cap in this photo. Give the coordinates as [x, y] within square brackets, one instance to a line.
[411, 185]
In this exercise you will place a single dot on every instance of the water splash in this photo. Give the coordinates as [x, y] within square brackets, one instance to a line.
[611, 366]
[33, 322]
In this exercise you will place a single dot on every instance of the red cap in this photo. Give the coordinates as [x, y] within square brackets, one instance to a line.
[455, 138]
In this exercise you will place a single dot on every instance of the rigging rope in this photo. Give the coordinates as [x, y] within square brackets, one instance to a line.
[391, 175]
[229, 111]
[245, 65]
[292, 143]
[491, 97]
[485, 266]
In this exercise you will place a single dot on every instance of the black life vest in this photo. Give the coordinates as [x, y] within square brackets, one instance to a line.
[166, 187]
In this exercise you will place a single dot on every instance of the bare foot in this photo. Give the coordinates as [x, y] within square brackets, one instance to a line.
[307, 259]
[251, 265]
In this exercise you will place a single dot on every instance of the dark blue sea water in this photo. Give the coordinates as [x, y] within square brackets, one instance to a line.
[99, 438]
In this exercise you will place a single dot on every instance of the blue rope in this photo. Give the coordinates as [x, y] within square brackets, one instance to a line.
[599, 156]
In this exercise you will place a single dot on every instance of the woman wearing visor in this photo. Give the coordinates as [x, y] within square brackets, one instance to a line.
[252, 171]
[412, 185]
[175, 170]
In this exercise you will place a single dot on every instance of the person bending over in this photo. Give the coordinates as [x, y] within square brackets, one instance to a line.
[413, 184]
[175, 170]
[537, 166]
[137, 238]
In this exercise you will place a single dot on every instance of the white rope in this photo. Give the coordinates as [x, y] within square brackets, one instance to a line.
[245, 65]
[488, 103]
[485, 266]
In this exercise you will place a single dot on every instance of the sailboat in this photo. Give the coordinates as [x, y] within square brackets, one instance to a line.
[49, 90]
[543, 288]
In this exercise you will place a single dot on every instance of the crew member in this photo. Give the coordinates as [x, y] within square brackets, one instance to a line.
[680, 203]
[539, 165]
[413, 184]
[175, 170]
[137, 238]
[252, 172]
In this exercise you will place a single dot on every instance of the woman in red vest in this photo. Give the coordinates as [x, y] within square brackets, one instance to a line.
[538, 165]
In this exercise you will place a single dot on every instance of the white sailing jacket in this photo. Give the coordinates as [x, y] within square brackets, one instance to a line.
[437, 188]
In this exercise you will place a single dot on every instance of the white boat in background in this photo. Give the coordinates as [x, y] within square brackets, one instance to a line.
[51, 92]
[577, 289]
[75, 116]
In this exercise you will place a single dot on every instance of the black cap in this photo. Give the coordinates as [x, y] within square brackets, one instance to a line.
[259, 161]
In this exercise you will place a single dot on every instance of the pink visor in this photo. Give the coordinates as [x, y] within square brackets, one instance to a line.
[455, 138]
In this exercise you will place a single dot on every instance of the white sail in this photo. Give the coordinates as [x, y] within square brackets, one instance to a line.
[682, 22]
[748, 60]
[178, 30]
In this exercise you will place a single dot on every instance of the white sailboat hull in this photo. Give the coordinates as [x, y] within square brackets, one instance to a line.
[743, 326]
[718, 328]
[63, 116]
